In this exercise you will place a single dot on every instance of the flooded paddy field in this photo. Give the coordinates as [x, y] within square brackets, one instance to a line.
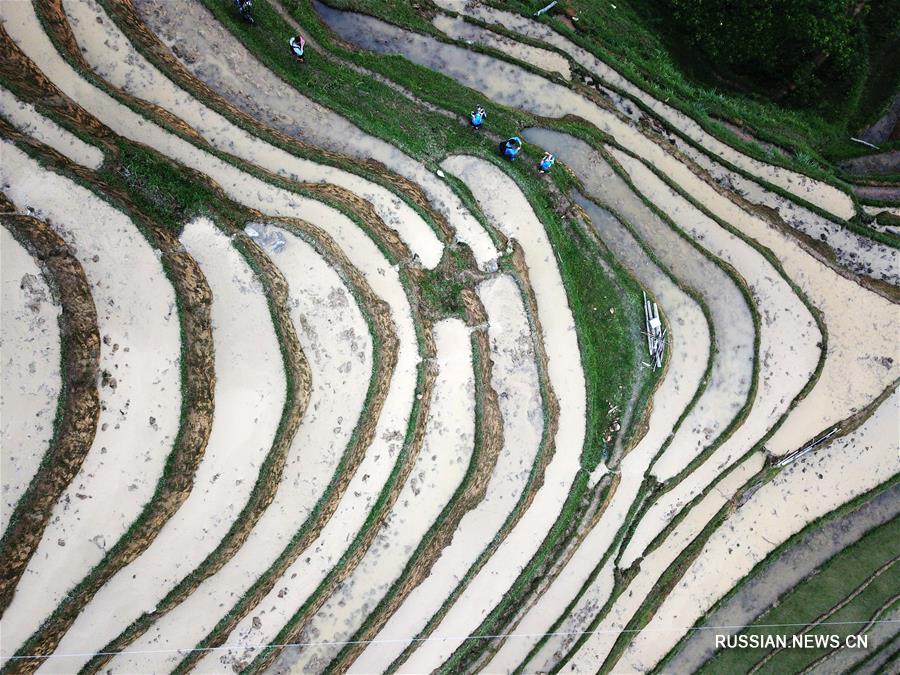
[293, 386]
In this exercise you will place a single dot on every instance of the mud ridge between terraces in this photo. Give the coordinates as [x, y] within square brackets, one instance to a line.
[278, 296]
[388, 497]
[378, 317]
[198, 376]
[363, 436]
[601, 495]
[77, 416]
[54, 20]
[488, 444]
[546, 451]
[152, 48]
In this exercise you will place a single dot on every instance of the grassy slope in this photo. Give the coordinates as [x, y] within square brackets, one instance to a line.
[631, 36]
[818, 593]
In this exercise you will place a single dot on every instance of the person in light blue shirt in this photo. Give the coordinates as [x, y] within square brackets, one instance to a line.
[298, 44]
[477, 117]
[511, 148]
[546, 163]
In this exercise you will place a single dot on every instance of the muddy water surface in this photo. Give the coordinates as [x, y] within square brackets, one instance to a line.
[336, 342]
[24, 117]
[729, 382]
[763, 590]
[862, 255]
[113, 58]
[545, 59]
[29, 367]
[514, 377]
[216, 57]
[507, 208]
[808, 488]
[249, 397]
[821, 194]
[140, 398]
[439, 468]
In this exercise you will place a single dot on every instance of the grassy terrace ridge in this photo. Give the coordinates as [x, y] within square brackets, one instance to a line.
[848, 570]
[364, 299]
[857, 224]
[488, 444]
[373, 91]
[429, 137]
[404, 64]
[152, 182]
[175, 128]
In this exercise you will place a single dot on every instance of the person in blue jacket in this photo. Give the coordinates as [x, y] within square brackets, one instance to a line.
[477, 117]
[245, 9]
[511, 148]
[546, 163]
[298, 44]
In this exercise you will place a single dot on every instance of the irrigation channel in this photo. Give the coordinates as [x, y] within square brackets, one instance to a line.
[301, 375]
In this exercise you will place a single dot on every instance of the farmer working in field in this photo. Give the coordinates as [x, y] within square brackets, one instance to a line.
[297, 45]
[511, 148]
[477, 117]
[245, 9]
[546, 163]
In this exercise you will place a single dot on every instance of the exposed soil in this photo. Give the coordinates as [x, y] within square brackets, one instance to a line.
[250, 381]
[29, 121]
[506, 207]
[822, 195]
[139, 369]
[808, 488]
[401, 407]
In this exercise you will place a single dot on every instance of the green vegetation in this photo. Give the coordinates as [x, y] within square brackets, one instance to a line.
[806, 53]
[840, 576]
[441, 287]
[641, 39]
[157, 186]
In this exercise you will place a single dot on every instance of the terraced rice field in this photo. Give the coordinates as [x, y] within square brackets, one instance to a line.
[299, 375]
